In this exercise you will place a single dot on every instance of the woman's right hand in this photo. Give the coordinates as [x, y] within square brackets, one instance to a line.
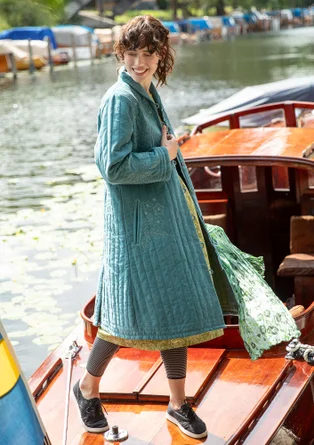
[169, 141]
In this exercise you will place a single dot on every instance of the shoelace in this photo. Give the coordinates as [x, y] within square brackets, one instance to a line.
[94, 408]
[187, 411]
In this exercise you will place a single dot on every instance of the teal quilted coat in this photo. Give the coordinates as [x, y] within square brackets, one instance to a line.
[154, 282]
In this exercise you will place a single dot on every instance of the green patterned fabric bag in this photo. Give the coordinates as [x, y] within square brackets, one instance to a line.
[264, 321]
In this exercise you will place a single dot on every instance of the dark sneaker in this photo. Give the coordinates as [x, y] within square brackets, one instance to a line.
[91, 412]
[187, 421]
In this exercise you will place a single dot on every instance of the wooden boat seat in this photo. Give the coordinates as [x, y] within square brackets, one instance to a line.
[297, 264]
[300, 263]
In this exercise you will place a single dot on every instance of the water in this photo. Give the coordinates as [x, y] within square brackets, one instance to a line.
[51, 193]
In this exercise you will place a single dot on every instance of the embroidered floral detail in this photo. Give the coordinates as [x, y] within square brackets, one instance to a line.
[152, 222]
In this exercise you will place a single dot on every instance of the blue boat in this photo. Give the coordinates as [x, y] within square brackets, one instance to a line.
[20, 421]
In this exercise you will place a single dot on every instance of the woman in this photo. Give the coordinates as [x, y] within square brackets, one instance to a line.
[156, 289]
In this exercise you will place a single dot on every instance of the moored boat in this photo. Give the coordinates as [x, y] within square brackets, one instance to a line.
[5, 63]
[21, 57]
[79, 42]
[265, 179]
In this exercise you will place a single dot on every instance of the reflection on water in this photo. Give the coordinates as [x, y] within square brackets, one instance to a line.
[50, 201]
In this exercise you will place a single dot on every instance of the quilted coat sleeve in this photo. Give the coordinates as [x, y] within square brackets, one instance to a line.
[114, 154]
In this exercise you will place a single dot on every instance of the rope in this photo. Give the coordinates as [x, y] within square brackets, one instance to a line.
[284, 437]
[298, 350]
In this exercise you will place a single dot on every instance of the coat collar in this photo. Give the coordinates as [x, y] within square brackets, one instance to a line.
[126, 78]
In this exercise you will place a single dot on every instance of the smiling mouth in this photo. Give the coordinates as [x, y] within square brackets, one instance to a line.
[139, 73]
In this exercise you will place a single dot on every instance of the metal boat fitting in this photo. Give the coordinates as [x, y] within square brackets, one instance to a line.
[115, 434]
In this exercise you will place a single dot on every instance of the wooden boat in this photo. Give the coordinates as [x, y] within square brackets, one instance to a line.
[40, 53]
[266, 178]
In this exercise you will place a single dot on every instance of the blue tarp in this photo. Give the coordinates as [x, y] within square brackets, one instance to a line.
[194, 24]
[199, 24]
[300, 12]
[88, 28]
[183, 25]
[172, 26]
[228, 21]
[250, 18]
[30, 32]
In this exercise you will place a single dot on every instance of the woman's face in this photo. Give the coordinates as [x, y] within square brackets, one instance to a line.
[141, 65]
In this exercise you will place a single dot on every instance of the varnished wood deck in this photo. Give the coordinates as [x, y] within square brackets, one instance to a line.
[233, 395]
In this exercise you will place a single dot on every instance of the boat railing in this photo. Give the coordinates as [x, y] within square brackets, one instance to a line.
[233, 118]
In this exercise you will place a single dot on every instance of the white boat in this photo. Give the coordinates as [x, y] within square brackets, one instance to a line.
[79, 36]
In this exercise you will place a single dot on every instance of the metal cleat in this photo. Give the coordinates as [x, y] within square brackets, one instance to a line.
[116, 435]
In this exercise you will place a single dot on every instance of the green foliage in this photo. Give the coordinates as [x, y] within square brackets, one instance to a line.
[163, 4]
[3, 23]
[31, 12]
[162, 15]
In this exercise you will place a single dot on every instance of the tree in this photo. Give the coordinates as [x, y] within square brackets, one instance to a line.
[174, 8]
[32, 12]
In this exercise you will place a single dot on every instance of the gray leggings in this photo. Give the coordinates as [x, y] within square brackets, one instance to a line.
[175, 360]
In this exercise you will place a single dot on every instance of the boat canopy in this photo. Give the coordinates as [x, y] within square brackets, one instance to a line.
[228, 21]
[300, 12]
[295, 89]
[65, 34]
[29, 32]
[195, 24]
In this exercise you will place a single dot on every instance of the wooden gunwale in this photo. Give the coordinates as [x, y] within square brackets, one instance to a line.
[281, 405]
[50, 370]
[261, 406]
[229, 160]
[288, 108]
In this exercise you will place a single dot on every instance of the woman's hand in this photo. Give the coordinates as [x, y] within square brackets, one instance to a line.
[169, 141]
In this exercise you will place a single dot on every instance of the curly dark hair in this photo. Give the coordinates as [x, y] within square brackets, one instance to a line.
[145, 31]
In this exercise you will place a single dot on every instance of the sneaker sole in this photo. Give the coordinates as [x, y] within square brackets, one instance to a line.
[88, 428]
[186, 432]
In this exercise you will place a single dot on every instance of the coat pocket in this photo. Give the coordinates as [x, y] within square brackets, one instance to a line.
[137, 224]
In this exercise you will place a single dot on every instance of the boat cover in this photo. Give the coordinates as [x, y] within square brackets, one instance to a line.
[29, 32]
[228, 21]
[172, 26]
[295, 89]
[64, 35]
[195, 24]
